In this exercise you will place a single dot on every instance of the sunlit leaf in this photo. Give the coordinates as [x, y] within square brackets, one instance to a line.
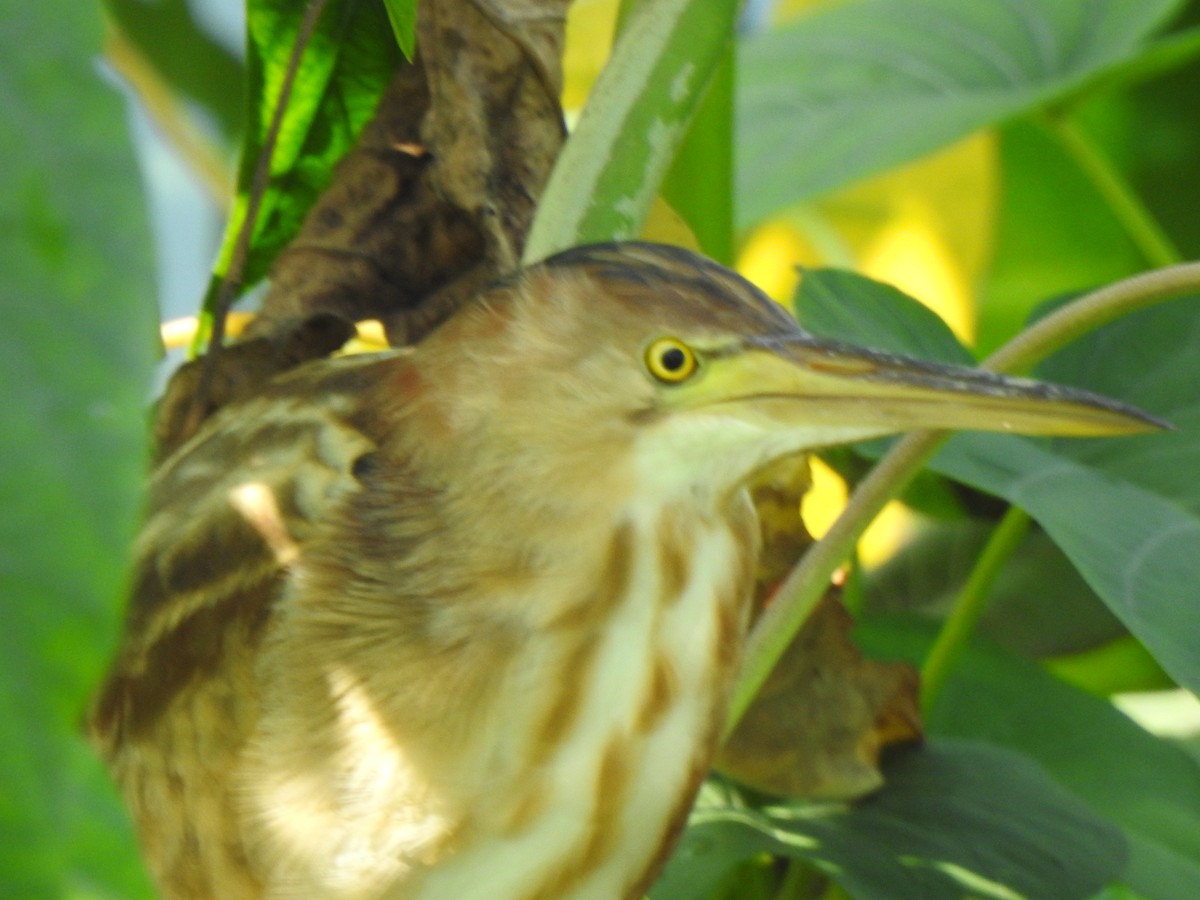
[954, 819]
[1148, 787]
[865, 85]
[340, 75]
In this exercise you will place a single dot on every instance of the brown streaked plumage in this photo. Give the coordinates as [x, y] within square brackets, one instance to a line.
[460, 620]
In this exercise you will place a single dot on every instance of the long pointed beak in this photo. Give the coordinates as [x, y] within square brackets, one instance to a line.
[844, 393]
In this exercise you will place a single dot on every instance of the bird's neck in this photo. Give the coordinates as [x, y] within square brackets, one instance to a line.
[621, 702]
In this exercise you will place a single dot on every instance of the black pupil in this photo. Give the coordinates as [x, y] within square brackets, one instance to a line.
[673, 359]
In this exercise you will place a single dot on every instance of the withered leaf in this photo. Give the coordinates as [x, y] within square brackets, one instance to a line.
[817, 727]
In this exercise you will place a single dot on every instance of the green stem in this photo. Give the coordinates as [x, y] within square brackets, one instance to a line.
[1070, 322]
[1126, 206]
[971, 603]
[800, 880]
[809, 579]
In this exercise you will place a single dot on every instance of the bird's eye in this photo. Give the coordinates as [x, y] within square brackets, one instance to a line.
[670, 360]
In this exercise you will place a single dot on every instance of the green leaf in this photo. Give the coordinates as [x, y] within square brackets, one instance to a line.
[1134, 546]
[76, 352]
[1045, 249]
[340, 75]
[1147, 786]
[1126, 511]
[955, 818]
[842, 305]
[611, 168]
[403, 16]
[1039, 605]
[863, 86]
[1119, 666]
[705, 157]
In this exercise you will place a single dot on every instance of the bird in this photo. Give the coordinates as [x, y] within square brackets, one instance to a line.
[461, 619]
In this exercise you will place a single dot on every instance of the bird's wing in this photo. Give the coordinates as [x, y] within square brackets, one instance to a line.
[227, 517]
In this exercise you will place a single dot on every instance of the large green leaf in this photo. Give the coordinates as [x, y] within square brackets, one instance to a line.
[1135, 546]
[1126, 511]
[1043, 249]
[342, 72]
[954, 819]
[866, 85]
[1065, 615]
[75, 356]
[839, 304]
[1039, 605]
[1148, 787]
[611, 168]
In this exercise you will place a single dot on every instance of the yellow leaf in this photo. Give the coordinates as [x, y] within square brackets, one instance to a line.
[665, 226]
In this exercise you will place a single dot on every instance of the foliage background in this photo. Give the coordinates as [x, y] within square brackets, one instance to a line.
[1051, 178]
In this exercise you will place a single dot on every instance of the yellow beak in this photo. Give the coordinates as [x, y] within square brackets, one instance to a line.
[843, 393]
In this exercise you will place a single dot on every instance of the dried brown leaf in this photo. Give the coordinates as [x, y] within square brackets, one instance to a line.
[817, 727]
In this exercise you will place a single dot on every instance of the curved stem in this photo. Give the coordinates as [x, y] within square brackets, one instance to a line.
[809, 579]
[1122, 200]
[971, 603]
[1070, 322]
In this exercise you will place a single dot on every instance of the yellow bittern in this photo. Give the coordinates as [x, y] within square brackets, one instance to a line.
[460, 621]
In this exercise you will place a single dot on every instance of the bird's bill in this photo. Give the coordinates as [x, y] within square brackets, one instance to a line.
[854, 393]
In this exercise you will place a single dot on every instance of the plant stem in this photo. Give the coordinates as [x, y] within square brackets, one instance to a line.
[800, 880]
[1126, 206]
[809, 579]
[971, 603]
[1070, 322]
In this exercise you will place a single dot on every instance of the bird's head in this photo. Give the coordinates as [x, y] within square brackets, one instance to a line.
[655, 357]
